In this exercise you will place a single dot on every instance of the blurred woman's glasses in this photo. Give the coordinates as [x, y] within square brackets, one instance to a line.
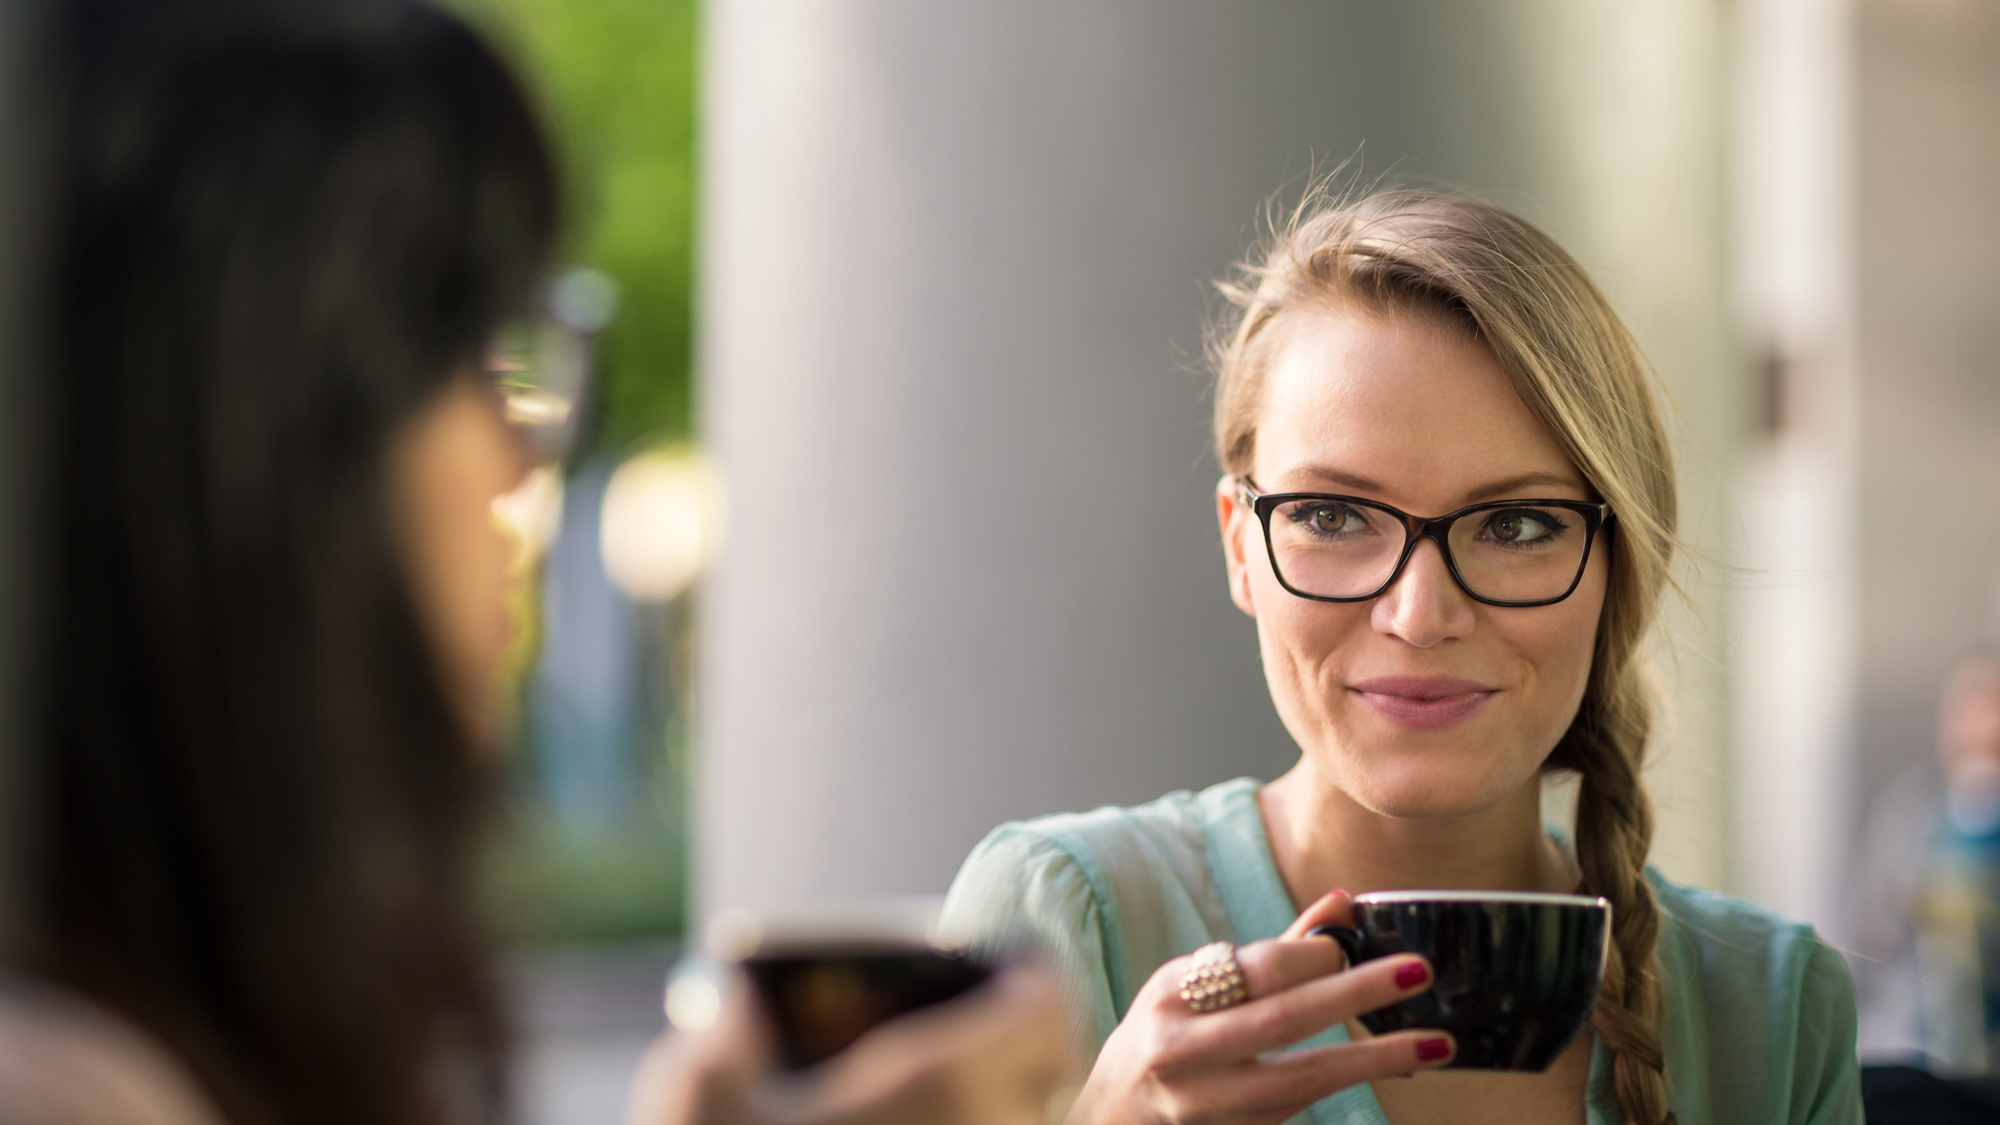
[541, 366]
[1335, 548]
[539, 372]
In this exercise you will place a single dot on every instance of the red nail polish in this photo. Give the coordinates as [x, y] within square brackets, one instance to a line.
[1431, 1050]
[1412, 975]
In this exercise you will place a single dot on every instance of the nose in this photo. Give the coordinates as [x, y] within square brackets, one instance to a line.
[1423, 606]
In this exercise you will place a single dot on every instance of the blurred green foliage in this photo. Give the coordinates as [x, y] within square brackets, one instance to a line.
[550, 889]
[620, 82]
[622, 878]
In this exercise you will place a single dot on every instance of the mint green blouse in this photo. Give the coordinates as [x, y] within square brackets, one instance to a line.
[1760, 1017]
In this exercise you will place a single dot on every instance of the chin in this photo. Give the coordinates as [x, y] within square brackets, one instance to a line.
[1425, 806]
[1427, 793]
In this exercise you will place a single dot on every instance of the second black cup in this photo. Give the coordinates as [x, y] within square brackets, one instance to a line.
[1515, 976]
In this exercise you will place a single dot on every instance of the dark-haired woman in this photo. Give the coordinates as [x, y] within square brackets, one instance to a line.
[288, 233]
[1449, 505]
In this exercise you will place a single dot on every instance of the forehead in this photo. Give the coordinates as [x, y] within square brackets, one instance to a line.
[1412, 404]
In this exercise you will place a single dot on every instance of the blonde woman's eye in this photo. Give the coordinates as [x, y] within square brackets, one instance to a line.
[1523, 527]
[1331, 520]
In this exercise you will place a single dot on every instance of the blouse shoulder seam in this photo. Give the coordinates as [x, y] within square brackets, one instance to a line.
[1109, 929]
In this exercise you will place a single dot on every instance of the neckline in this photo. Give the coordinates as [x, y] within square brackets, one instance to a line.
[1246, 870]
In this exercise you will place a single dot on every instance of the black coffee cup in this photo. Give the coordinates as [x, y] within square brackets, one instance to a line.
[826, 976]
[820, 1000]
[1514, 976]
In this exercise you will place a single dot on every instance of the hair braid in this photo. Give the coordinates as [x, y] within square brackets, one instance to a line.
[1614, 830]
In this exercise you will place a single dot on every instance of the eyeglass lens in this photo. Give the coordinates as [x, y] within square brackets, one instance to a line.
[539, 370]
[1345, 549]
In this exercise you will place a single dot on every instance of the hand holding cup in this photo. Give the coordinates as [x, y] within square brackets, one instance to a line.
[1168, 1062]
[996, 1055]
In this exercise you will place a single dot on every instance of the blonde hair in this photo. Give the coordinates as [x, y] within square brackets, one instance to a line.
[1575, 365]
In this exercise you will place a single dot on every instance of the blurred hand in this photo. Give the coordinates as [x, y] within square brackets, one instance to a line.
[996, 1056]
[1167, 1063]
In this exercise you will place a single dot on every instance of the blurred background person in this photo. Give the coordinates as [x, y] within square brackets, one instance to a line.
[290, 234]
[1927, 889]
[1955, 921]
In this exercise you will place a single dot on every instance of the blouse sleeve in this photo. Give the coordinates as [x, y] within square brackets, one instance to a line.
[1020, 890]
[1826, 1073]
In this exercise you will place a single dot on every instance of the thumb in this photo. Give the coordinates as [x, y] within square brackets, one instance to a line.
[1334, 908]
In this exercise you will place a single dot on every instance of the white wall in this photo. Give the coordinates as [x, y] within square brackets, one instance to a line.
[954, 266]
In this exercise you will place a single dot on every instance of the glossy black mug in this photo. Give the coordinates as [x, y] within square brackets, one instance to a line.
[820, 1001]
[1515, 976]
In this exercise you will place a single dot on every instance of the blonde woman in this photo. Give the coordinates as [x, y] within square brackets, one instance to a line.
[1449, 505]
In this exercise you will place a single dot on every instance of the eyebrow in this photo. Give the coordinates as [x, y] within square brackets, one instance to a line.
[1509, 487]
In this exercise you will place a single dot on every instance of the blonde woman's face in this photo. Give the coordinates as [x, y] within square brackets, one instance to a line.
[1420, 702]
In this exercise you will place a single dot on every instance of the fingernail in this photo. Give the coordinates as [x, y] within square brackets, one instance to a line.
[1433, 1049]
[1412, 974]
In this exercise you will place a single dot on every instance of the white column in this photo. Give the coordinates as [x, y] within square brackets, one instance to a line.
[1798, 600]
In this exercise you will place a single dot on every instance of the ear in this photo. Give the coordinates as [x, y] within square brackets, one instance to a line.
[1239, 537]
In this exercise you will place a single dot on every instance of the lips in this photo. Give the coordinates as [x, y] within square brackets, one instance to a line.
[1424, 702]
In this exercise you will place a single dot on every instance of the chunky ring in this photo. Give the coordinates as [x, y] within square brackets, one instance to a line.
[1215, 980]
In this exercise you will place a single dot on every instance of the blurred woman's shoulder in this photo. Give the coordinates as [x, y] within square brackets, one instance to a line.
[64, 1061]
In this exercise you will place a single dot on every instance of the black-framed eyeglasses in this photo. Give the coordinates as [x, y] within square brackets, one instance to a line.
[1333, 548]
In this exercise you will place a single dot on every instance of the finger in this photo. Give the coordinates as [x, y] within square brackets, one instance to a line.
[998, 1059]
[1306, 1009]
[1277, 1086]
[1334, 908]
[1305, 1076]
[1268, 967]
[1271, 967]
[701, 1075]
[1007, 1034]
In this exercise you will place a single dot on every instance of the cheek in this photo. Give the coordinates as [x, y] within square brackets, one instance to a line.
[1302, 643]
[452, 465]
[482, 572]
[1560, 643]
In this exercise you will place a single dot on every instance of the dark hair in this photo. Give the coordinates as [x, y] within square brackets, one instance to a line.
[285, 226]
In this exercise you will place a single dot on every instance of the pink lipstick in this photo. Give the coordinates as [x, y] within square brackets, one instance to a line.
[1423, 702]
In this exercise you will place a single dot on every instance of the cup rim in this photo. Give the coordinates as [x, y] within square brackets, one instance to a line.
[1537, 898]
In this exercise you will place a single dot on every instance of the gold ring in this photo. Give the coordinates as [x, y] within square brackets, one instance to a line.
[1215, 980]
